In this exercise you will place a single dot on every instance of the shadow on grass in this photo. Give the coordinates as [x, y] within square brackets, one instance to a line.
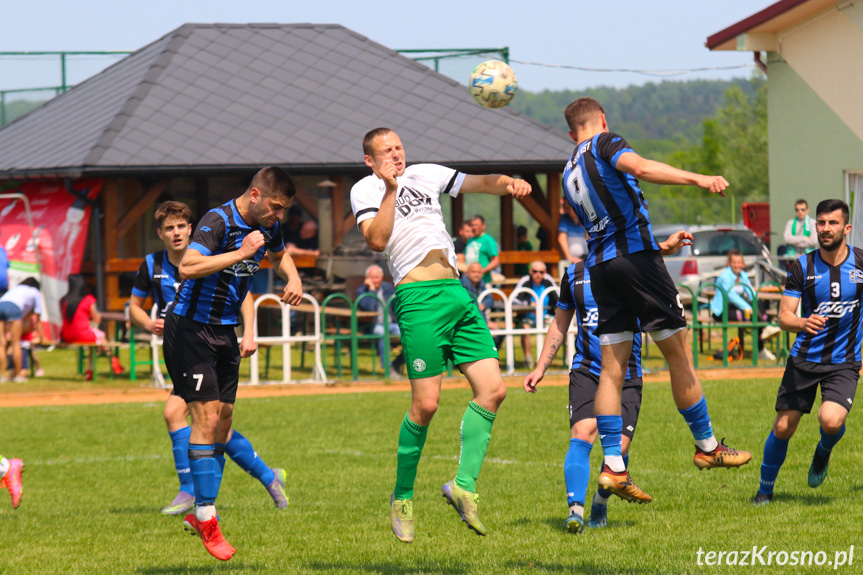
[812, 499]
[548, 567]
[208, 568]
[556, 524]
[394, 568]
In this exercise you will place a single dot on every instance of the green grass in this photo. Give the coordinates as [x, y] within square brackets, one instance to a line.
[97, 476]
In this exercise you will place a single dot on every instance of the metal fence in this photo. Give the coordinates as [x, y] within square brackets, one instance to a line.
[29, 79]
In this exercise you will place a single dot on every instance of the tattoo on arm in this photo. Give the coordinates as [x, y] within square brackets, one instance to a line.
[554, 345]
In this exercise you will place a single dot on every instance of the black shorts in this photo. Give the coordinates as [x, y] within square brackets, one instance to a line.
[635, 288]
[582, 392]
[203, 360]
[800, 384]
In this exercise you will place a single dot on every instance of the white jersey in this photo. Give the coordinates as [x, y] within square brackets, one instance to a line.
[418, 227]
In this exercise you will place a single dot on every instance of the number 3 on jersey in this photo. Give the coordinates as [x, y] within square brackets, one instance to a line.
[581, 193]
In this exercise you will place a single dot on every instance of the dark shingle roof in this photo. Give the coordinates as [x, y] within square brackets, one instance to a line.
[230, 96]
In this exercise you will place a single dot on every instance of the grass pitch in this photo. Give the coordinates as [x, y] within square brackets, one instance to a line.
[97, 476]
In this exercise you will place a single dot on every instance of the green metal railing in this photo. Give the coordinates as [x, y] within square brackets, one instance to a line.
[64, 59]
[438, 54]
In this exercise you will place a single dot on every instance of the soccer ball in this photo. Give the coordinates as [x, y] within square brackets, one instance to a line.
[493, 84]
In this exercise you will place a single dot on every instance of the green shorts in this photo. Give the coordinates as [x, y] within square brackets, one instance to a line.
[439, 321]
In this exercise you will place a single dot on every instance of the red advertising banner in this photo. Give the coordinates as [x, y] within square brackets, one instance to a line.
[60, 225]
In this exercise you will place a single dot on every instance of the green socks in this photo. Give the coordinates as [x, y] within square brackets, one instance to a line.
[475, 435]
[412, 437]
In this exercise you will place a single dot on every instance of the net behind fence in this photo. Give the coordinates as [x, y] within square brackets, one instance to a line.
[29, 79]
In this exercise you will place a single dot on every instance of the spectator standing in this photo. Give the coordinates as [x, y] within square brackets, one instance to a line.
[571, 235]
[374, 283]
[465, 233]
[482, 248]
[293, 225]
[800, 237]
[538, 281]
[19, 302]
[523, 245]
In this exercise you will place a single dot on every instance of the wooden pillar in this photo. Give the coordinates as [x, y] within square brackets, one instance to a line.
[338, 193]
[507, 235]
[110, 209]
[457, 215]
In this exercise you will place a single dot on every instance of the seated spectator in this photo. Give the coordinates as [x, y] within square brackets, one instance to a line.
[482, 248]
[571, 235]
[522, 245]
[19, 302]
[374, 283]
[735, 281]
[80, 316]
[465, 233]
[537, 281]
[473, 283]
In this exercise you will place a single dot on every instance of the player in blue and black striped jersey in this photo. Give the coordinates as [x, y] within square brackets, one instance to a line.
[828, 283]
[158, 276]
[632, 287]
[201, 350]
[577, 300]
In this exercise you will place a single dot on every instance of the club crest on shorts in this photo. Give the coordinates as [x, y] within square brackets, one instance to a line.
[419, 365]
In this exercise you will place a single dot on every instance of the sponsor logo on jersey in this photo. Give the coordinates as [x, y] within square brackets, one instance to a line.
[236, 233]
[410, 200]
[161, 276]
[856, 276]
[836, 309]
[243, 268]
[591, 317]
[813, 277]
[600, 225]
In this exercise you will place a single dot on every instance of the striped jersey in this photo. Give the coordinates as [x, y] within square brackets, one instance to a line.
[608, 202]
[157, 275]
[418, 227]
[833, 292]
[575, 294]
[216, 298]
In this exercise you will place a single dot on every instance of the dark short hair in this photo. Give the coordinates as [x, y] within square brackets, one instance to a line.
[478, 217]
[465, 223]
[581, 112]
[804, 202]
[31, 281]
[295, 212]
[733, 253]
[369, 138]
[520, 231]
[273, 181]
[172, 209]
[827, 206]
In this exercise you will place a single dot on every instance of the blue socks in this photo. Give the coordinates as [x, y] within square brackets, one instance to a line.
[180, 447]
[775, 450]
[202, 462]
[576, 471]
[220, 465]
[243, 454]
[610, 428]
[825, 446]
[698, 420]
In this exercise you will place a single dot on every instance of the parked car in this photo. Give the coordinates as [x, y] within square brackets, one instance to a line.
[705, 259]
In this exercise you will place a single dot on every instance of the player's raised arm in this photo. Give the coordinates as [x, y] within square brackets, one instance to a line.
[495, 185]
[197, 265]
[659, 173]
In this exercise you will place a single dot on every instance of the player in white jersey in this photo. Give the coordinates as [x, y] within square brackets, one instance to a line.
[398, 211]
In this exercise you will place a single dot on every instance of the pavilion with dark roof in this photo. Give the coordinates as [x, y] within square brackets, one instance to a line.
[193, 115]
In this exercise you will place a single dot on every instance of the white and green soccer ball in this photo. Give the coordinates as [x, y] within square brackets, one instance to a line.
[493, 84]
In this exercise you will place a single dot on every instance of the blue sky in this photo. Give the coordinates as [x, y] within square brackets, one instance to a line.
[645, 34]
